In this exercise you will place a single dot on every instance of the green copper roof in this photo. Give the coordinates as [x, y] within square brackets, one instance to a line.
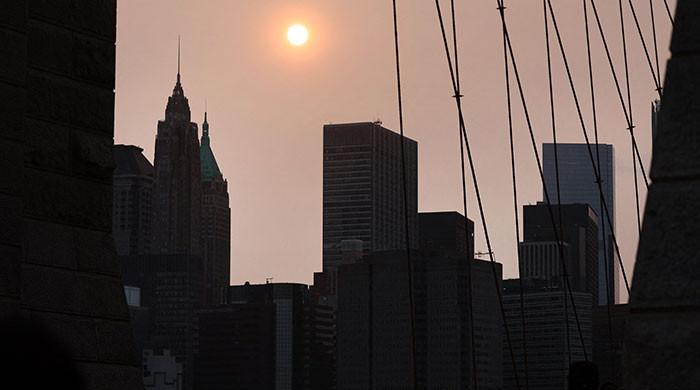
[210, 169]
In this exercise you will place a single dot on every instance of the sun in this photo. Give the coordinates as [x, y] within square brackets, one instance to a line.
[297, 34]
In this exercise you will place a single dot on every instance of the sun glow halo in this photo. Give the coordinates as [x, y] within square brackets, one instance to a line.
[297, 34]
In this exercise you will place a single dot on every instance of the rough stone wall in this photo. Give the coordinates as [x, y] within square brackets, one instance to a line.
[59, 268]
[663, 332]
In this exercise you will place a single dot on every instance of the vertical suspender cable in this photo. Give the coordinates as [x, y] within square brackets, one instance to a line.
[631, 116]
[477, 191]
[548, 202]
[515, 210]
[608, 298]
[409, 263]
[556, 174]
[470, 284]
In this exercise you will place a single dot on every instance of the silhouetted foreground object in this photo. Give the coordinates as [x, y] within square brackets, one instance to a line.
[29, 349]
[583, 376]
[58, 270]
[663, 332]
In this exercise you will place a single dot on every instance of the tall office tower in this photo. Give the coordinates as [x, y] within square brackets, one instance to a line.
[363, 190]
[546, 337]
[177, 194]
[266, 336]
[132, 186]
[63, 314]
[171, 289]
[373, 326]
[488, 325]
[216, 222]
[539, 252]
[578, 185]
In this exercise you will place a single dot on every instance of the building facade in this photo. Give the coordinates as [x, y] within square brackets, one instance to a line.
[539, 252]
[577, 184]
[132, 187]
[177, 192]
[363, 190]
[551, 337]
[216, 222]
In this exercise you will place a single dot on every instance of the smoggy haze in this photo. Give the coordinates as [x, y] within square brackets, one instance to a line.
[268, 101]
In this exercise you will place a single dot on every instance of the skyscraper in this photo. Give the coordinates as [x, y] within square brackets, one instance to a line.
[363, 190]
[539, 252]
[577, 184]
[132, 186]
[177, 195]
[216, 222]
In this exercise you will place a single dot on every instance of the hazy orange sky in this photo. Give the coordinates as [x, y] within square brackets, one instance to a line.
[268, 101]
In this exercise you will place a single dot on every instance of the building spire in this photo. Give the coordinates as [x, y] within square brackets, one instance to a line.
[178, 59]
[205, 125]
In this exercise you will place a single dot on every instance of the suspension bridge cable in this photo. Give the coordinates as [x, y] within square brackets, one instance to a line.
[670, 15]
[477, 191]
[657, 82]
[656, 43]
[548, 202]
[594, 112]
[553, 119]
[409, 263]
[515, 211]
[458, 96]
[585, 132]
[629, 107]
[618, 88]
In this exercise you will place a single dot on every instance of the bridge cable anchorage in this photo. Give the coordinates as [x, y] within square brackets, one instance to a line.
[619, 89]
[409, 263]
[515, 211]
[608, 297]
[556, 168]
[477, 191]
[629, 107]
[458, 96]
[548, 202]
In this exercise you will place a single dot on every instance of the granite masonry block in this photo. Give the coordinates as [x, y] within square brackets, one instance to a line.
[49, 289]
[11, 217]
[91, 16]
[71, 54]
[95, 252]
[11, 161]
[101, 296]
[74, 152]
[13, 56]
[70, 103]
[10, 273]
[677, 143]
[77, 333]
[12, 98]
[48, 243]
[14, 14]
[55, 197]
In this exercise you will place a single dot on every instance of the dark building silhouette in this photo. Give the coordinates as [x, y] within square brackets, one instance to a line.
[177, 192]
[171, 288]
[539, 252]
[577, 184]
[132, 205]
[266, 336]
[608, 341]
[363, 190]
[216, 222]
[545, 335]
[373, 318]
[237, 347]
[59, 270]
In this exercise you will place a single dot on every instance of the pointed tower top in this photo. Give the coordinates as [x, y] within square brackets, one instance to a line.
[178, 59]
[205, 124]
